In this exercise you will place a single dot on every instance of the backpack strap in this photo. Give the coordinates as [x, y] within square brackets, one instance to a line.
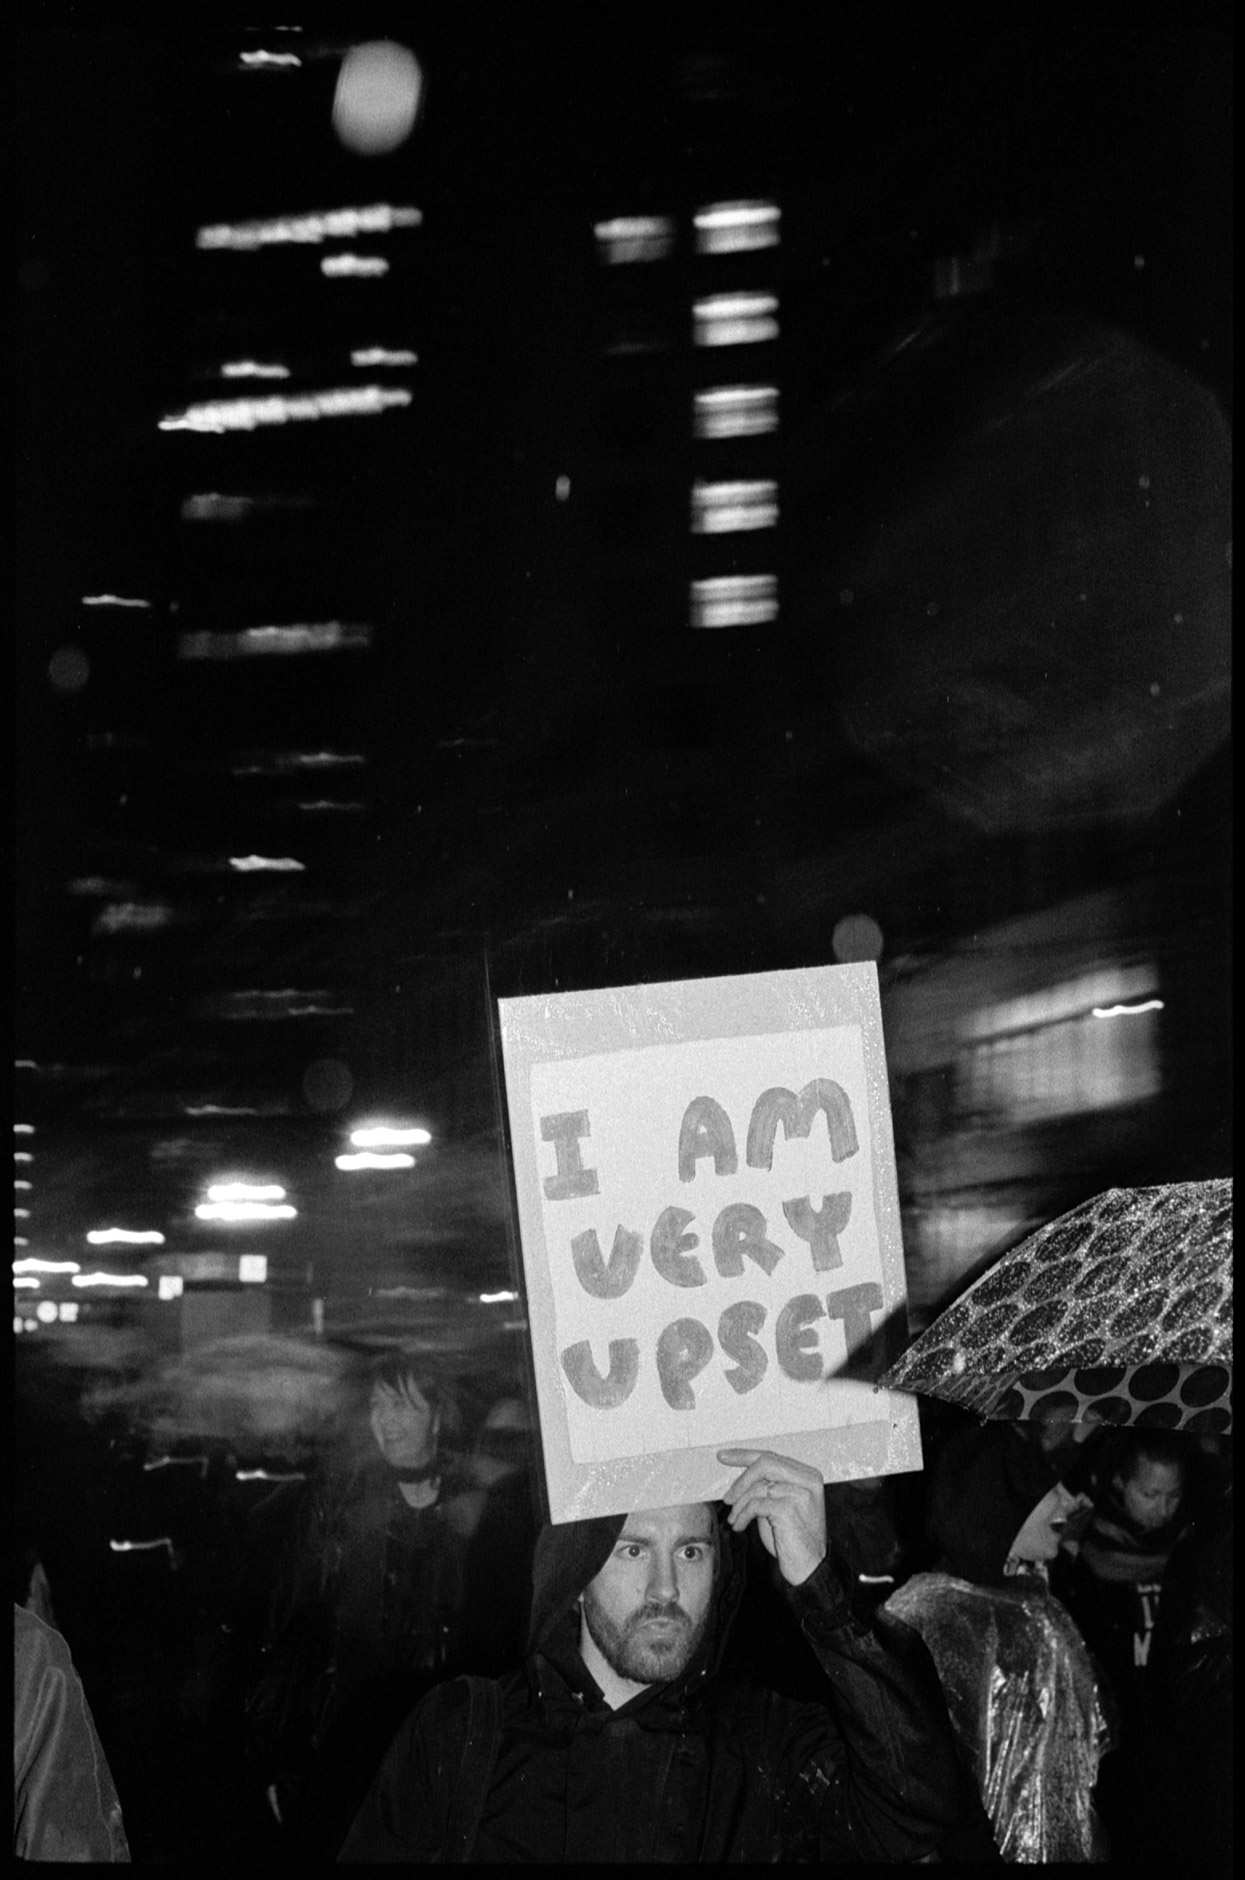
[479, 1758]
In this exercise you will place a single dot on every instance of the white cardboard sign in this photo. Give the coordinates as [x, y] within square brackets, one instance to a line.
[705, 1175]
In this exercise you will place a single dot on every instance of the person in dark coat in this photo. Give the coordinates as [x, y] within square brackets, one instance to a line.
[65, 1805]
[365, 1610]
[620, 1740]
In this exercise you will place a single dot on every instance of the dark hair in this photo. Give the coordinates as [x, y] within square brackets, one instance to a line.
[397, 1368]
[1165, 1446]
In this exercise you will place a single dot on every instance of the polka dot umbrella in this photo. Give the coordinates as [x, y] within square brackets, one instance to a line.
[1120, 1311]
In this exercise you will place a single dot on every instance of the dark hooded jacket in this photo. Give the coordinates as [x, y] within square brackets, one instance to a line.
[698, 1769]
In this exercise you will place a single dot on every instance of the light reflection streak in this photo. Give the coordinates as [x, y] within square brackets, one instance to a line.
[215, 416]
[253, 369]
[33, 1264]
[325, 636]
[109, 1279]
[317, 226]
[267, 61]
[112, 600]
[354, 267]
[383, 356]
[245, 1211]
[272, 864]
[106, 1236]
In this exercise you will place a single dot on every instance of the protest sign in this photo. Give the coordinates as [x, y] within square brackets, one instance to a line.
[705, 1178]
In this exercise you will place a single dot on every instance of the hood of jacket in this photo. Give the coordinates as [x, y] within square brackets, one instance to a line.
[571, 1555]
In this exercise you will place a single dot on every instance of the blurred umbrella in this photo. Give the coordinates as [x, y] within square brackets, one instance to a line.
[1120, 1311]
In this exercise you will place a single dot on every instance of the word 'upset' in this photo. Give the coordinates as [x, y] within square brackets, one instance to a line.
[739, 1235]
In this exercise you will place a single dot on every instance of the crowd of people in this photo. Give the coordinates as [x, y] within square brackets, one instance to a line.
[1022, 1653]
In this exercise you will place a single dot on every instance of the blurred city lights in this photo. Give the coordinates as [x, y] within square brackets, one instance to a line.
[634, 238]
[138, 1547]
[67, 1311]
[325, 636]
[730, 227]
[377, 99]
[22, 1155]
[32, 1264]
[170, 1286]
[735, 600]
[21, 1184]
[21, 1214]
[273, 864]
[318, 226]
[23, 1129]
[24, 1281]
[736, 410]
[45, 1311]
[726, 508]
[369, 1158]
[383, 1136]
[498, 1298]
[215, 416]
[383, 356]
[253, 1268]
[735, 319]
[112, 600]
[103, 1236]
[109, 1279]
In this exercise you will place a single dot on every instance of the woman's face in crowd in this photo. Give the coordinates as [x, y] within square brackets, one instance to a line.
[1152, 1493]
[404, 1425]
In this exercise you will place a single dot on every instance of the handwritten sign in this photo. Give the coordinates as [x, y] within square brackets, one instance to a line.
[705, 1176]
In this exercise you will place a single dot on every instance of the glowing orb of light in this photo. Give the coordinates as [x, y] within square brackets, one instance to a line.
[379, 90]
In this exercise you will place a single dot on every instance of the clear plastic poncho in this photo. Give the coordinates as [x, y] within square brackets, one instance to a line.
[1026, 1706]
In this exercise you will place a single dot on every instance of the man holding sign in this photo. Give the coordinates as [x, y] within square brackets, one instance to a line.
[621, 1741]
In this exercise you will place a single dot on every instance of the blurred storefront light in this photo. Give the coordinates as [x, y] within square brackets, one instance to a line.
[114, 600]
[271, 864]
[67, 1311]
[45, 1312]
[33, 1264]
[121, 1280]
[253, 1268]
[498, 1298]
[170, 1286]
[253, 369]
[25, 1282]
